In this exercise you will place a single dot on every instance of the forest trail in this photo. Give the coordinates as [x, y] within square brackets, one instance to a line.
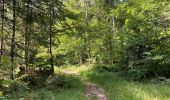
[92, 90]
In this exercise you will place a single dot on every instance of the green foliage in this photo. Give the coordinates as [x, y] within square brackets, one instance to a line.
[5, 63]
[16, 87]
[139, 24]
[119, 88]
[62, 82]
[138, 74]
[33, 80]
[110, 68]
[132, 36]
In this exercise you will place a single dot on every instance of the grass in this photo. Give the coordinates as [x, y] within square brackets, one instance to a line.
[115, 86]
[73, 69]
[75, 91]
[63, 94]
[118, 88]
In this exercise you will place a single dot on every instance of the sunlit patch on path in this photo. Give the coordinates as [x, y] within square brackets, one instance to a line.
[92, 90]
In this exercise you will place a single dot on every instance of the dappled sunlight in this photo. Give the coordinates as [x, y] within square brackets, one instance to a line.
[72, 69]
[58, 87]
[85, 49]
[44, 94]
[145, 92]
[118, 88]
[1, 93]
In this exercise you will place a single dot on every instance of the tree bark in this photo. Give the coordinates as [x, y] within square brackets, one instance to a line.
[13, 38]
[87, 40]
[27, 35]
[2, 29]
[50, 35]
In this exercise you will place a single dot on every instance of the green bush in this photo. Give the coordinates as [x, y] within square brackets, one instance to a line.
[33, 80]
[16, 87]
[2, 87]
[109, 68]
[158, 66]
[136, 74]
[60, 81]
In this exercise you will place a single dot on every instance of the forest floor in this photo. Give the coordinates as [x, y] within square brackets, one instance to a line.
[88, 83]
[112, 86]
[92, 90]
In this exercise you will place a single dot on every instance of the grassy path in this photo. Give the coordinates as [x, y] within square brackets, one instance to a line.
[91, 84]
[118, 88]
[92, 90]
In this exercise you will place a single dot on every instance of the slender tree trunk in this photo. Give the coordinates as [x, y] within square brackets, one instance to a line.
[30, 30]
[2, 29]
[80, 55]
[51, 53]
[27, 35]
[87, 41]
[111, 40]
[110, 52]
[13, 38]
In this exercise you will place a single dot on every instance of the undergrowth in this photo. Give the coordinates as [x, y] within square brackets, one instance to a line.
[120, 88]
[70, 87]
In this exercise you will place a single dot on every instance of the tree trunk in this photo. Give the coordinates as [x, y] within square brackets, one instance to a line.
[80, 57]
[110, 52]
[13, 38]
[27, 35]
[111, 40]
[87, 40]
[51, 53]
[2, 29]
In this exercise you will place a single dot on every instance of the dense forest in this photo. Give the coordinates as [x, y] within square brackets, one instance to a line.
[85, 49]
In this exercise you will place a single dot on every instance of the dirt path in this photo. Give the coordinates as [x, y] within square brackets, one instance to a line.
[92, 90]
